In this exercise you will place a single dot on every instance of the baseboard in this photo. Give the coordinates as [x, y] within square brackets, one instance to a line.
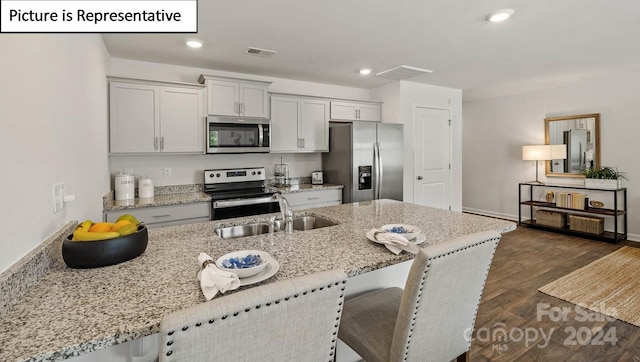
[490, 213]
[630, 237]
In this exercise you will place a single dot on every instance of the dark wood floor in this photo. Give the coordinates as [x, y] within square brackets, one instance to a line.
[525, 260]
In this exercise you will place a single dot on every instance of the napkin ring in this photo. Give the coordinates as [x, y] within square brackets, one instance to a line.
[206, 263]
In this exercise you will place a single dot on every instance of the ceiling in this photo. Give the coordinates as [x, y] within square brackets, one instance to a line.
[546, 42]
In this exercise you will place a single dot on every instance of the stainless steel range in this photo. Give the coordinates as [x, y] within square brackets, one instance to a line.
[238, 192]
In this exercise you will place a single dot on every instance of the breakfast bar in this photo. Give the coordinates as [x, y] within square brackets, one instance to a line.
[71, 312]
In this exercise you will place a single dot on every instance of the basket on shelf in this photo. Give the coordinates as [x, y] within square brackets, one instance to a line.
[551, 218]
[587, 224]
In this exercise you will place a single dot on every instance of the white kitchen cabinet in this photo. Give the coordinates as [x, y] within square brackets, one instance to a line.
[310, 199]
[299, 124]
[356, 111]
[236, 97]
[160, 216]
[155, 117]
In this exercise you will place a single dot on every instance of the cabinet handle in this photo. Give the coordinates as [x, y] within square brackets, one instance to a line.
[155, 143]
[236, 107]
[241, 108]
[312, 198]
[162, 143]
[167, 215]
[303, 143]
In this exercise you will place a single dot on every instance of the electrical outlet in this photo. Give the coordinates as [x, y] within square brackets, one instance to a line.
[58, 197]
[167, 172]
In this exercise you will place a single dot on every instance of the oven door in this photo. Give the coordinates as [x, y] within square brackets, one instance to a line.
[226, 209]
[225, 136]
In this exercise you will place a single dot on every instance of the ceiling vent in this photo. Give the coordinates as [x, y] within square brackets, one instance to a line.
[403, 72]
[265, 53]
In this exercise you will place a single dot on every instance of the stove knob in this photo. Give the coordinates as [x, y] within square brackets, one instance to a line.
[217, 175]
[211, 175]
[259, 172]
[253, 173]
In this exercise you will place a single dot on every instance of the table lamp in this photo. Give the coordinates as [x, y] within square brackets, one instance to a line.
[539, 153]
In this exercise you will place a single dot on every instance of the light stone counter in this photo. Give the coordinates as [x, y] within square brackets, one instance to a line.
[159, 200]
[304, 188]
[74, 311]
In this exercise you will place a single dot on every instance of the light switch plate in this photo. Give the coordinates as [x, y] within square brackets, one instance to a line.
[58, 197]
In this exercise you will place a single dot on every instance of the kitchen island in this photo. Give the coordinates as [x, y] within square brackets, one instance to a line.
[70, 312]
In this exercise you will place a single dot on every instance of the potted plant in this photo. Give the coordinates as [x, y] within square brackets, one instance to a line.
[604, 177]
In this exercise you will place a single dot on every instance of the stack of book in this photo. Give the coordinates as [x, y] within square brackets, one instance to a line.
[571, 200]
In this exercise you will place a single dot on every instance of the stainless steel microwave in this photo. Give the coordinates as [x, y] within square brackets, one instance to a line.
[236, 135]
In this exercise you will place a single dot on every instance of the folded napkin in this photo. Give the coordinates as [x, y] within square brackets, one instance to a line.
[213, 280]
[394, 242]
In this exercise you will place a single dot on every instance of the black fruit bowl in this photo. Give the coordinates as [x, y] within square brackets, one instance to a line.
[93, 254]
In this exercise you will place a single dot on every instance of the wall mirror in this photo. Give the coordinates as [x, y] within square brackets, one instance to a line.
[581, 135]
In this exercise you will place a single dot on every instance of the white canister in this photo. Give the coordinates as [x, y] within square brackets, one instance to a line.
[125, 185]
[145, 188]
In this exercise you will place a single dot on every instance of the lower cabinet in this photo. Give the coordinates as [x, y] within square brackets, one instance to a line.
[161, 216]
[310, 199]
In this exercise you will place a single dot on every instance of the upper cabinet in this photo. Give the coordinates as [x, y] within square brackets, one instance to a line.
[356, 111]
[236, 97]
[299, 124]
[155, 117]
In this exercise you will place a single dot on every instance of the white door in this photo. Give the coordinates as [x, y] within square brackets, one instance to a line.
[133, 118]
[181, 120]
[285, 115]
[254, 101]
[223, 98]
[315, 125]
[369, 112]
[432, 158]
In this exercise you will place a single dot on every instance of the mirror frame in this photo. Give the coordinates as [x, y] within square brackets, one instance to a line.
[596, 156]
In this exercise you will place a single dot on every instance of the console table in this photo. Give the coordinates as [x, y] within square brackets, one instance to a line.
[615, 197]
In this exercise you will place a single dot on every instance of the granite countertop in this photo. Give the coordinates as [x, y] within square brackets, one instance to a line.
[74, 311]
[109, 204]
[159, 200]
[304, 188]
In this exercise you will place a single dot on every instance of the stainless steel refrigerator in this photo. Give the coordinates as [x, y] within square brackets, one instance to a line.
[365, 157]
[576, 141]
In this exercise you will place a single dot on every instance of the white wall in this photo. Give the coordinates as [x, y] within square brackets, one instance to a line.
[53, 111]
[496, 129]
[187, 169]
[400, 102]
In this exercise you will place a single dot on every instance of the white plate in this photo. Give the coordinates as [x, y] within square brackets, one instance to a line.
[270, 270]
[421, 238]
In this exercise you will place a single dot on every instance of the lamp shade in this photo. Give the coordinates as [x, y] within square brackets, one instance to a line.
[537, 152]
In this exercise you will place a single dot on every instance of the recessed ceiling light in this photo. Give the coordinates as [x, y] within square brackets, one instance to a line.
[365, 71]
[499, 15]
[194, 43]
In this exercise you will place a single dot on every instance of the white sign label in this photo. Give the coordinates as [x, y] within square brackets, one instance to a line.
[99, 16]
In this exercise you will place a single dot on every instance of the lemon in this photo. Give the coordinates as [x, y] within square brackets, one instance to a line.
[130, 218]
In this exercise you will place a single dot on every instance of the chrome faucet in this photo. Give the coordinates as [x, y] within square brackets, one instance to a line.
[285, 212]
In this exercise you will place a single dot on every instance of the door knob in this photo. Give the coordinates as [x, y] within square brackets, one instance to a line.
[419, 178]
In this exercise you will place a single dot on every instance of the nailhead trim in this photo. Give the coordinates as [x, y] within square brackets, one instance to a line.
[277, 301]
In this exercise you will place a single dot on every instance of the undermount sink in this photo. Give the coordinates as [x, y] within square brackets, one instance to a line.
[306, 223]
[300, 223]
[242, 230]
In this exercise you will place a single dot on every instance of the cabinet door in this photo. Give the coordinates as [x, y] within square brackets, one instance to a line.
[133, 118]
[224, 98]
[181, 120]
[314, 125]
[343, 110]
[254, 100]
[285, 113]
[369, 112]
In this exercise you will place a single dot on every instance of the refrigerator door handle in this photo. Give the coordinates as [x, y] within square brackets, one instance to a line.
[377, 161]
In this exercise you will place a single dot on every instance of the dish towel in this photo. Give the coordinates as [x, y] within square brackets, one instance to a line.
[213, 280]
[394, 242]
